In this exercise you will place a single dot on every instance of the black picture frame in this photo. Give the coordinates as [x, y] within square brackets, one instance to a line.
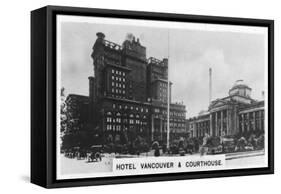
[43, 95]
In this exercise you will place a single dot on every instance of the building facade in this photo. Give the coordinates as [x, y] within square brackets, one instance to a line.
[235, 114]
[128, 93]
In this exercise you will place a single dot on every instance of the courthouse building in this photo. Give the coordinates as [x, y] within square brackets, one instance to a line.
[235, 114]
[128, 93]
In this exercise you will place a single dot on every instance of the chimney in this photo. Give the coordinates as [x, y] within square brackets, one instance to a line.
[210, 86]
[262, 95]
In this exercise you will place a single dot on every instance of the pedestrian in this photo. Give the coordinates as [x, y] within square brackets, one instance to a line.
[157, 152]
[204, 147]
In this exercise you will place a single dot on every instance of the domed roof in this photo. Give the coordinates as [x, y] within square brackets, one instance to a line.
[240, 84]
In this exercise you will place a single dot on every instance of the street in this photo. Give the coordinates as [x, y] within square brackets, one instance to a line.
[234, 160]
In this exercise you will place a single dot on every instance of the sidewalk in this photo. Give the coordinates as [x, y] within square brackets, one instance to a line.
[237, 155]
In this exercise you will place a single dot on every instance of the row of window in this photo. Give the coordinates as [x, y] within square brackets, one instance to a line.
[141, 109]
[121, 96]
[117, 78]
[117, 85]
[117, 128]
[163, 85]
[126, 107]
[177, 125]
[177, 114]
[117, 72]
[117, 91]
[131, 120]
[114, 127]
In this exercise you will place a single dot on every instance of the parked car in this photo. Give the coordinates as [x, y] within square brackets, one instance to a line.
[95, 153]
[214, 146]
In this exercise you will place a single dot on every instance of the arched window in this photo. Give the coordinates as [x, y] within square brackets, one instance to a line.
[137, 119]
[108, 117]
[131, 119]
[118, 117]
[108, 121]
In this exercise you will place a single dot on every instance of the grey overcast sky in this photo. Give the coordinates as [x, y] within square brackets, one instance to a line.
[231, 55]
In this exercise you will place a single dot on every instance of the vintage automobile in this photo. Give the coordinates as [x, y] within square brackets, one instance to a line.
[218, 145]
[214, 146]
[95, 153]
[228, 145]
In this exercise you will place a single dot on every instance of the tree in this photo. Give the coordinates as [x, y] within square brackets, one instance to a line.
[63, 113]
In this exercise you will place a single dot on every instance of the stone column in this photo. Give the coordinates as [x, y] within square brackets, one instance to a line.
[254, 121]
[216, 124]
[248, 126]
[221, 129]
[227, 121]
[211, 124]
[242, 120]
[260, 121]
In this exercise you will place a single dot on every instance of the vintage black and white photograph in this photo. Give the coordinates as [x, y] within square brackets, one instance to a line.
[141, 97]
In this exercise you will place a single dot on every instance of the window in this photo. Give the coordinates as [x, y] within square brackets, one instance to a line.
[112, 71]
[108, 127]
[131, 120]
[109, 119]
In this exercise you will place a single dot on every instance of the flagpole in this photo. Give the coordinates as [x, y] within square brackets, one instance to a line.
[168, 93]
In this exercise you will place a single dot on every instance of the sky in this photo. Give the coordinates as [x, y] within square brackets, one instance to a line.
[231, 55]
